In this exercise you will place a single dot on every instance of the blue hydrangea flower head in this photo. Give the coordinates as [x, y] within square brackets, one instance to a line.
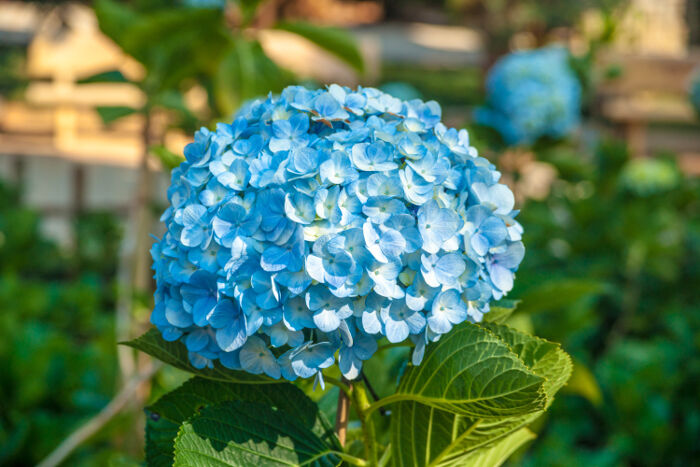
[321, 221]
[694, 91]
[531, 94]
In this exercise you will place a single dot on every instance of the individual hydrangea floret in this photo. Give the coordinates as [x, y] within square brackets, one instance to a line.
[318, 223]
[532, 94]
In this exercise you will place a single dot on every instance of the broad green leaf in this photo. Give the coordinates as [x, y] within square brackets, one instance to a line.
[470, 371]
[520, 322]
[242, 434]
[501, 311]
[160, 441]
[167, 158]
[584, 384]
[171, 100]
[427, 435]
[173, 44]
[333, 40]
[182, 117]
[111, 114]
[168, 412]
[114, 19]
[175, 354]
[245, 72]
[545, 358]
[248, 9]
[559, 293]
[424, 435]
[189, 42]
[113, 76]
[494, 454]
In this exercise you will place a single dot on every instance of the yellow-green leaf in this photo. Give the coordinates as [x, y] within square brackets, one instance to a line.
[470, 371]
[335, 41]
[493, 455]
[583, 383]
[425, 434]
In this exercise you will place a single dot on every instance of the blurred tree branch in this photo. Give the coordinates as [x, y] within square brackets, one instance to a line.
[92, 426]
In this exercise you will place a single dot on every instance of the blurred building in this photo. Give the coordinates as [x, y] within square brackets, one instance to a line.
[54, 142]
[654, 27]
[647, 97]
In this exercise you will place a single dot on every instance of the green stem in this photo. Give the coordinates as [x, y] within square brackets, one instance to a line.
[361, 403]
[342, 414]
[352, 460]
[391, 346]
[336, 382]
[386, 456]
[386, 401]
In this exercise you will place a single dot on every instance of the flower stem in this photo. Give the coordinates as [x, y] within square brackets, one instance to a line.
[361, 403]
[373, 393]
[336, 382]
[391, 346]
[386, 456]
[342, 413]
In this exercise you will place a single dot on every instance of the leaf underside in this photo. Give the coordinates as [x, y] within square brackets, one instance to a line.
[495, 401]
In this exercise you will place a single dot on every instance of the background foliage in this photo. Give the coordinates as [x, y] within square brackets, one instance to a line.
[57, 359]
[640, 335]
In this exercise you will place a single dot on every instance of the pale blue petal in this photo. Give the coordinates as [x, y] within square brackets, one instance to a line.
[326, 320]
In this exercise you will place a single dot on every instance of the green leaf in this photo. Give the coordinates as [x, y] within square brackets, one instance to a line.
[113, 76]
[335, 41]
[167, 158]
[546, 359]
[494, 454]
[175, 354]
[111, 114]
[173, 44]
[472, 372]
[241, 434]
[501, 311]
[584, 384]
[521, 322]
[425, 434]
[173, 100]
[557, 294]
[160, 441]
[167, 414]
[182, 116]
[245, 73]
[177, 43]
[248, 9]
[114, 19]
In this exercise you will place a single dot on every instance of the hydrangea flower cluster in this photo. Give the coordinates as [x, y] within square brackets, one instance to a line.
[531, 94]
[694, 91]
[321, 221]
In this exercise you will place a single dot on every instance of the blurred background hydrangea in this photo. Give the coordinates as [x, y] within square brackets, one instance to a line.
[530, 95]
[694, 91]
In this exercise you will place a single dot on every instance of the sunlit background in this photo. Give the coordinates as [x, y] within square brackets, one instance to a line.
[97, 101]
